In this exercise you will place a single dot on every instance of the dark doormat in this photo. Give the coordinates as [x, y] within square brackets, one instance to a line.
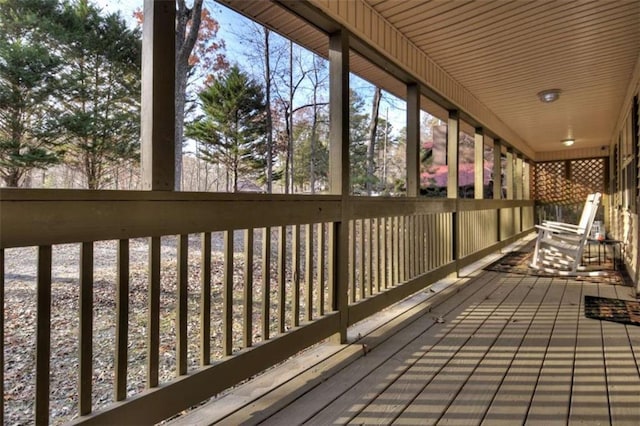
[616, 310]
[517, 262]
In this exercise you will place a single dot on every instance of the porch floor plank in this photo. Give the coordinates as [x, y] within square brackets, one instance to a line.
[620, 365]
[370, 387]
[547, 359]
[439, 393]
[503, 349]
[589, 397]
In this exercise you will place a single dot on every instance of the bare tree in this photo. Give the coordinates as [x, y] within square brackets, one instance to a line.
[373, 128]
[187, 26]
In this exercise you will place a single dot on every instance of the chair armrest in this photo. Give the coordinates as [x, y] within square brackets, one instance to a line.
[560, 229]
[563, 224]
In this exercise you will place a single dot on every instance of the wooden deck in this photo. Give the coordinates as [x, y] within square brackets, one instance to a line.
[498, 349]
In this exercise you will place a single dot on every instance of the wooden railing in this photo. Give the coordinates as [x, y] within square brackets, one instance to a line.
[230, 284]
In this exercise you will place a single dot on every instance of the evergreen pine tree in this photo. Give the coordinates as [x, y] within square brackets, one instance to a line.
[232, 129]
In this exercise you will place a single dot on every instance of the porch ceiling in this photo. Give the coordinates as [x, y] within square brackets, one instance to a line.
[505, 52]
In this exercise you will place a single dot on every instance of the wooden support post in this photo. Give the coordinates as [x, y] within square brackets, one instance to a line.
[85, 338]
[497, 180]
[526, 180]
[478, 164]
[519, 190]
[339, 170]
[509, 175]
[453, 142]
[413, 140]
[158, 96]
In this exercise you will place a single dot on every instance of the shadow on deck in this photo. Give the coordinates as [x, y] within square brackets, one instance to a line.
[491, 348]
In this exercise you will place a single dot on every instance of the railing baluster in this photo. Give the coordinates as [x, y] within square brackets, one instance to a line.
[391, 251]
[332, 247]
[205, 299]
[430, 242]
[361, 259]
[266, 282]
[43, 335]
[295, 269]
[401, 256]
[376, 255]
[2, 336]
[396, 251]
[248, 287]
[282, 270]
[227, 314]
[370, 255]
[352, 261]
[407, 249]
[423, 249]
[412, 247]
[122, 321]
[182, 309]
[85, 343]
[383, 252]
[153, 334]
[321, 270]
[308, 264]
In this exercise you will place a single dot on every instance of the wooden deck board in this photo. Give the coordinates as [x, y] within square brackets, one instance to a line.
[474, 399]
[589, 398]
[551, 394]
[347, 390]
[447, 353]
[430, 405]
[621, 368]
[343, 409]
[512, 349]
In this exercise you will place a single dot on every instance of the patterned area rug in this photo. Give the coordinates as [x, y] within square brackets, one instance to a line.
[616, 310]
[517, 262]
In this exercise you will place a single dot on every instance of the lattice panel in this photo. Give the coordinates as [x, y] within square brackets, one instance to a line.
[549, 183]
[587, 176]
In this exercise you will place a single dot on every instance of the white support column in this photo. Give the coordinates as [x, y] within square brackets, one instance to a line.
[158, 95]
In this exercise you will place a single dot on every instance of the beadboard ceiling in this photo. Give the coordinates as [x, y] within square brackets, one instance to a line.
[504, 53]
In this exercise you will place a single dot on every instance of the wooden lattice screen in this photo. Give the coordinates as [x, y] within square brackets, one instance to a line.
[564, 185]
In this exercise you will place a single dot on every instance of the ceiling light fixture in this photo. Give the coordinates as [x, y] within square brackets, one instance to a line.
[550, 95]
[568, 142]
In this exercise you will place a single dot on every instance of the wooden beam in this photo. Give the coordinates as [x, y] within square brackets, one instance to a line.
[509, 177]
[519, 177]
[478, 164]
[339, 113]
[158, 95]
[339, 173]
[413, 140]
[453, 141]
[497, 169]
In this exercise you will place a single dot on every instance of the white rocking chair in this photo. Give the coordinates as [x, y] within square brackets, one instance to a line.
[559, 246]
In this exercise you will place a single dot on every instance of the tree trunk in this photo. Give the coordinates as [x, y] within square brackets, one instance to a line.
[290, 123]
[187, 27]
[373, 127]
[267, 80]
[314, 131]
